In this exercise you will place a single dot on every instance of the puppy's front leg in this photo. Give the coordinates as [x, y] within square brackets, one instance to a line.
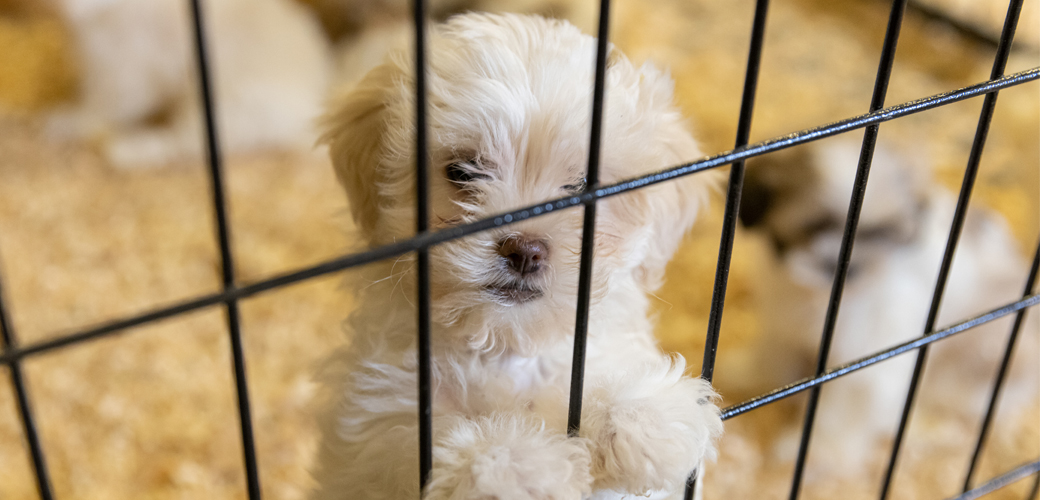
[648, 426]
[507, 456]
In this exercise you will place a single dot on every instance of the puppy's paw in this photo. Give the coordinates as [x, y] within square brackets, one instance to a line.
[649, 429]
[508, 457]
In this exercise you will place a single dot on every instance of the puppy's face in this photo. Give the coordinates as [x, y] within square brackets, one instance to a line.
[800, 198]
[509, 122]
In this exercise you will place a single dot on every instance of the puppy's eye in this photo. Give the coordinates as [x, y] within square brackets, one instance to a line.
[576, 188]
[462, 173]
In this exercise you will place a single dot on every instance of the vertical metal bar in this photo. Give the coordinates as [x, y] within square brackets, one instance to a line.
[859, 188]
[736, 184]
[729, 221]
[423, 255]
[971, 171]
[226, 260]
[43, 481]
[581, 322]
[998, 383]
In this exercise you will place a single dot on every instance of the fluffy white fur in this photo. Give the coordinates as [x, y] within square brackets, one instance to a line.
[898, 249]
[139, 94]
[509, 105]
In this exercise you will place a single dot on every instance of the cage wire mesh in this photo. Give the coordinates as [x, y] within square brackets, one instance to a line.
[16, 355]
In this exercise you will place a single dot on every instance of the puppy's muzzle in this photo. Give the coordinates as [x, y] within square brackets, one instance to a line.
[524, 259]
[524, 256]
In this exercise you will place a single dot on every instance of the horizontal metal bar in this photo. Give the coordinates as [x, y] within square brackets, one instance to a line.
[810, 382]
[428, 239]
[999, 482]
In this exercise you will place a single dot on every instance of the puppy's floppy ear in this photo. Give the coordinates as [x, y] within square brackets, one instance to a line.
[354, 131]
[673, 205]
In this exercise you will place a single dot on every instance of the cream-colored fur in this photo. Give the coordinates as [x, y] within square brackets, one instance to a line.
[509, 107]
[269, 63]
[902, 234]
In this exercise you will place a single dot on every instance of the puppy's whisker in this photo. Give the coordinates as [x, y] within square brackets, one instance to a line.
[392, 274]
[400, 279]
[658, 297]
[450, 221]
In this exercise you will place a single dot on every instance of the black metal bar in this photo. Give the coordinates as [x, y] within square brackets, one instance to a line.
[588, 231]
[429, 239]
[970, 172]
[32, 437]
[736, 183]
[226, 259]
[1034, 492]
[422, 254]
[729, 218]
[859, 189]
[810, 382]
[1019, 473]
[998, 383]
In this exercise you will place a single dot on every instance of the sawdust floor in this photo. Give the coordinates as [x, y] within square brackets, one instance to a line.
[150, 413]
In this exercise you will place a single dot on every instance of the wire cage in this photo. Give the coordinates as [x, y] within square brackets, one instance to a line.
[14, 354]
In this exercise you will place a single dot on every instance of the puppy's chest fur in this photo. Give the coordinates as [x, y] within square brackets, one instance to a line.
[528, 373]
[474, 383]
[503, 382]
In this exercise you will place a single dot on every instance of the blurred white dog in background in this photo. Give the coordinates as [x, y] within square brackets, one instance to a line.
[798, 199]
[139, 95]
[509, 122]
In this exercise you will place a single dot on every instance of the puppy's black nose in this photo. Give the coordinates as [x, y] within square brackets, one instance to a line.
[523, 254]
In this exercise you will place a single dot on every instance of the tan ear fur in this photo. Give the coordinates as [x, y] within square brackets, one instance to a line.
[354, 131]
[675, 205]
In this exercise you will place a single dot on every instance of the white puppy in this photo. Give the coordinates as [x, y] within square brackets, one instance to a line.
[509, 122]
[799, 199]
[139, 92]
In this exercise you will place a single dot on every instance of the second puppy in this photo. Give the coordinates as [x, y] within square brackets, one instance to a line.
[798, 199]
